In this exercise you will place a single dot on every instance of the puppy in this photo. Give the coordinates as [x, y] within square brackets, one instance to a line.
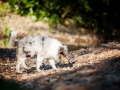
[44, 47]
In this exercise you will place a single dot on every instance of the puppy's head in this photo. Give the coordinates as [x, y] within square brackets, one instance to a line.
[63, 52]
[28, 50]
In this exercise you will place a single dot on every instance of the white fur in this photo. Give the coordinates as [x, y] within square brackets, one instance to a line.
[44, 47]
[13, 38]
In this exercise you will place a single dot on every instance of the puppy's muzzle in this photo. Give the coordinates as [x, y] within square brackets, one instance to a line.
[63, 57]
[63, 53]
[28, 56]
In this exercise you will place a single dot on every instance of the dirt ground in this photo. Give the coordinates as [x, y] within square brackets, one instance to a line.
[94, 68]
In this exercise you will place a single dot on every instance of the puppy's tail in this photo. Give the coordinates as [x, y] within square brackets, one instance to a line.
[13, 42]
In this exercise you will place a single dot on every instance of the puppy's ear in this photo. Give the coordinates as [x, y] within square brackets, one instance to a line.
[65, 46]
[61, 49]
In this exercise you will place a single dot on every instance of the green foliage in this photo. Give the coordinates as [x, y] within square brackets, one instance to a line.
[7, 30]
[101, 14]
[2, 12]
[5, 5]
[3, 9]
[7, 33]
[54, 10]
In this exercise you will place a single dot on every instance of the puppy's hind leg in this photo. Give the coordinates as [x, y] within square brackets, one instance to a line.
[52, 63]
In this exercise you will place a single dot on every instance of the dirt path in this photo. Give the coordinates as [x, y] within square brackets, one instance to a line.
[94, 68]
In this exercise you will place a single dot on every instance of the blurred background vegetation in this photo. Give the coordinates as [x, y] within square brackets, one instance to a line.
[101, 17]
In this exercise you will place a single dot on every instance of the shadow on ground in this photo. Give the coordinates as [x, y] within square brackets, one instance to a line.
[99, 72]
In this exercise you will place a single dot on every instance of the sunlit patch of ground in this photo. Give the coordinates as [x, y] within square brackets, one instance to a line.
[94, 68]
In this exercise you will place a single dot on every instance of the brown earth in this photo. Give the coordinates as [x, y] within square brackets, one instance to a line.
[94, 68]
[70, 36]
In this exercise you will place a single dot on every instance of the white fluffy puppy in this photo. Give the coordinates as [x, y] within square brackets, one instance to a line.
[44, 47]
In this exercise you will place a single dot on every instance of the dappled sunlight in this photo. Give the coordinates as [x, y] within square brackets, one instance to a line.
[88, 66]
[91, 34]
[96, 57]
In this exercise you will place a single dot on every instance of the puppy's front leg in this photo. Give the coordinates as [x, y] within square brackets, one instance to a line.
[39, 62]
[22, 60]
[18, 67]
[52, 63]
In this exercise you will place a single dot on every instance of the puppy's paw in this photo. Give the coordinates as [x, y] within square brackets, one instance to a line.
[27, 68]
[39, 70]
[19, 72]
[55, 69]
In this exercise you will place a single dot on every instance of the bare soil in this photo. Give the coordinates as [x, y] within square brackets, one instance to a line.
[70, 36]
[94, 68]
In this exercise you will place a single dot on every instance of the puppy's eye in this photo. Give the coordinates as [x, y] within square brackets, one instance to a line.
[30, 42]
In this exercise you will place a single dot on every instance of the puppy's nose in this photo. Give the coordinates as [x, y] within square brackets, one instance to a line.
[28, 56]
